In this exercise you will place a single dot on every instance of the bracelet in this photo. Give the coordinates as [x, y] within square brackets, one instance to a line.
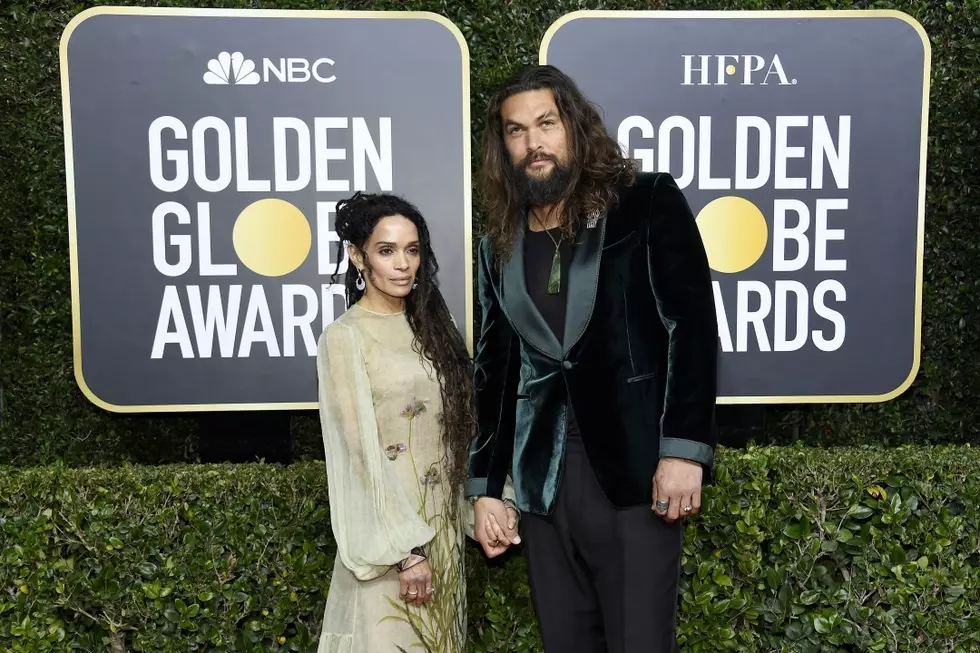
[509, 503]
[417, 555]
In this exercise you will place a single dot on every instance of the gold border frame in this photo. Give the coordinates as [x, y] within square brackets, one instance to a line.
[924, 143]
[247, 13]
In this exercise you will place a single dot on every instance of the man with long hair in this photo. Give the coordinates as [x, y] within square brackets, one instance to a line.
[595, 370]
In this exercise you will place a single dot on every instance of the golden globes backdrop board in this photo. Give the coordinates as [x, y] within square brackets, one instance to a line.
[206, 151]
[799, 139]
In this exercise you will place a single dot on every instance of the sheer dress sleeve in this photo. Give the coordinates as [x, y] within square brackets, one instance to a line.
[373, 522]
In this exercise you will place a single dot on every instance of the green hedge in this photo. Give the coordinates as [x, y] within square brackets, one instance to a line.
[44, 417]
[798, 550]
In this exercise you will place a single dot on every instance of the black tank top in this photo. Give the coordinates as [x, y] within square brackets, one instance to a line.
[539, 251]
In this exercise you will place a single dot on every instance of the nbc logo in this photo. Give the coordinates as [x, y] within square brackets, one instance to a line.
[234, 68]
[231, 69]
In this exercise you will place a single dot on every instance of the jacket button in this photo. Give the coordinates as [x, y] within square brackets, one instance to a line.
[567, 364]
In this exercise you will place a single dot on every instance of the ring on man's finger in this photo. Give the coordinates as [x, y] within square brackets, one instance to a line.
[662, 505]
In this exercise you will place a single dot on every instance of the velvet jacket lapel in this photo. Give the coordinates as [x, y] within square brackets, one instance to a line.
[583, 279]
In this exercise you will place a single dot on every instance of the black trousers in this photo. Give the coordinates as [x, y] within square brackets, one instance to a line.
[603, 580]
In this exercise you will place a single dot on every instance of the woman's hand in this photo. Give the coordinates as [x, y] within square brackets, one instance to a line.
[416, 584]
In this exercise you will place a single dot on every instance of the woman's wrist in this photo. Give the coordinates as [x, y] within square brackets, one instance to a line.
[415, 557]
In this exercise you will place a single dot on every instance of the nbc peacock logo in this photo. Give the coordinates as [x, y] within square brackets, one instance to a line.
[231, 68]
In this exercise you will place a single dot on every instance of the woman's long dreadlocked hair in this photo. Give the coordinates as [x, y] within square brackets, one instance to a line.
[437, 339]
[596, 161]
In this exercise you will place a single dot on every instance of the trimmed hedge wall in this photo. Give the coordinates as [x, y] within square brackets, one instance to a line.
[44, 417]
[797, 551]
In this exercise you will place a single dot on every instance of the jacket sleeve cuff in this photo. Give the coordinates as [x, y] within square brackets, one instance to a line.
[475, 487]
[688, 450]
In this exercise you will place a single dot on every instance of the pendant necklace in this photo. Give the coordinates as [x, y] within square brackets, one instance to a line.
[554, 279]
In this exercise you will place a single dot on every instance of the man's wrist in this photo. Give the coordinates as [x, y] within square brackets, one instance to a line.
[684, 449]
[694, 463]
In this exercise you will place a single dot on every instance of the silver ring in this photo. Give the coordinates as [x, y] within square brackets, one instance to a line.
[662, 505]
[413, 593]
[686, 508]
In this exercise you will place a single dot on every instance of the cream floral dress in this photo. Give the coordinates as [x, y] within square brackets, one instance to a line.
[386, 475]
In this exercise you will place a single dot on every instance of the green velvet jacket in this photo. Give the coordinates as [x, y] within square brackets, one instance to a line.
[637, 360]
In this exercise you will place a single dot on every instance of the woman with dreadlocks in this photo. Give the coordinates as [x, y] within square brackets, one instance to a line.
[395, 385]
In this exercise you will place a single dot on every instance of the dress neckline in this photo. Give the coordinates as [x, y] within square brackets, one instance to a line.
[368, 310]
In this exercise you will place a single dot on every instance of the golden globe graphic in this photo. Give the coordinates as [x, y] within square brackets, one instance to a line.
[272, 237]
[734, 232]
[205, 161]
[804, 172]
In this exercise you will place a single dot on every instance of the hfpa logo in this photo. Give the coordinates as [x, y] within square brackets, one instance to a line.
[714, 69]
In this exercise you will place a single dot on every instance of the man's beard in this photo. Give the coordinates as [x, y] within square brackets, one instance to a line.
[539, 191]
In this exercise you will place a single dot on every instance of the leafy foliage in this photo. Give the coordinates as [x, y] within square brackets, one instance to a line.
[798, 550]
[44, 417]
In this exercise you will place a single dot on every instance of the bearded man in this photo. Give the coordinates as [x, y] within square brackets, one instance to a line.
[595, 370]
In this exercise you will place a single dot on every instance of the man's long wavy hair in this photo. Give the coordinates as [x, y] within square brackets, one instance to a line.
[437, 341]
[597, 164]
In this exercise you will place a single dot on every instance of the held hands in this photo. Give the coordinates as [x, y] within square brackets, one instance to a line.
[677, 489]
[416, 584]
[495, 524]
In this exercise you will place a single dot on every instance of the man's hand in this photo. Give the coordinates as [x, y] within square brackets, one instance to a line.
[495, 526]
[677, 484]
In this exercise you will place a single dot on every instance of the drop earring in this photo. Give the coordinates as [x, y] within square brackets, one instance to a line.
[359, 283]
[415, 285]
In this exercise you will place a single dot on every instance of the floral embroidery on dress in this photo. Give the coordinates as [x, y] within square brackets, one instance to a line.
[415, 407]
[431, 476]
[440, 624]
[393, 450]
